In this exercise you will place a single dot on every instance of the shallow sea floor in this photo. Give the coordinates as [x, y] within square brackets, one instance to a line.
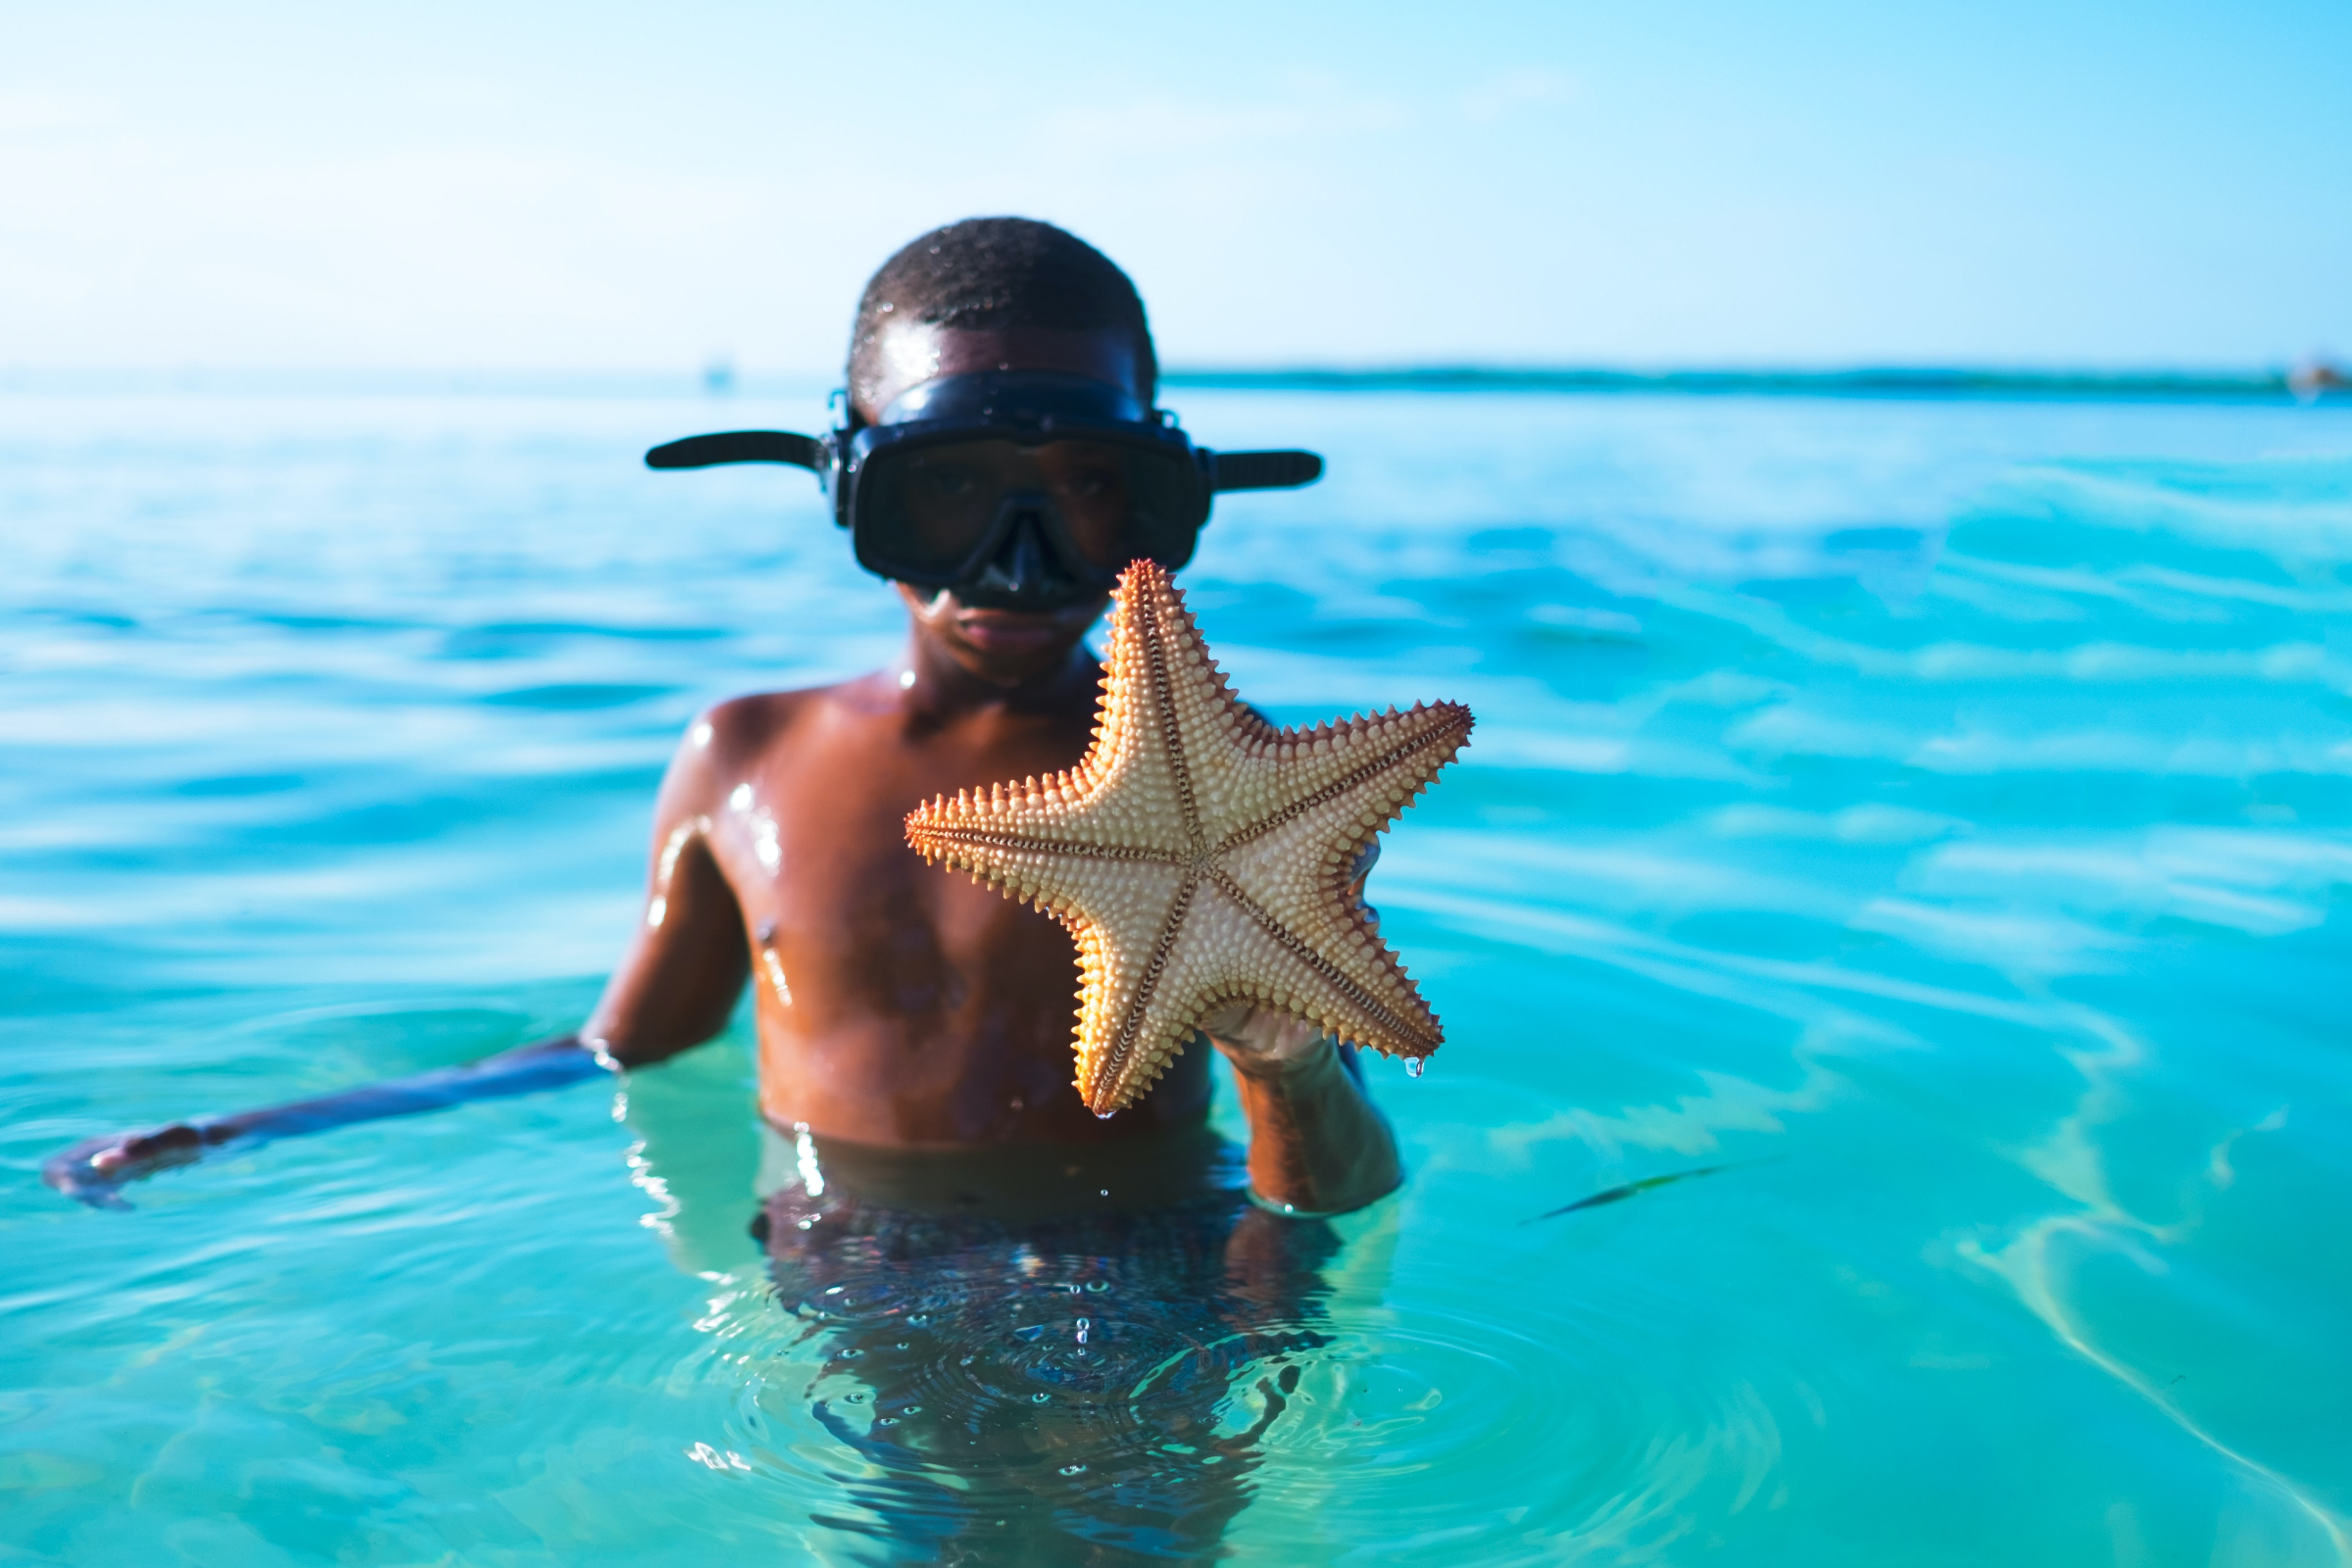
[1936, 818]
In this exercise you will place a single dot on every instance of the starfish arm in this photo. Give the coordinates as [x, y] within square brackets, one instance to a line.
[1223, 755]
[1111, 884]
[1139, 997]
[1099, 809]
[1219, 947]
[1126, 930]
[1337, 774]
[1330, 967]
[1206, 954]
[1304, 855]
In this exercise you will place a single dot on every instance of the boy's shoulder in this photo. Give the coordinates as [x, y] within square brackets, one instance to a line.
[757, 720]
[743, 728]
[730, 742]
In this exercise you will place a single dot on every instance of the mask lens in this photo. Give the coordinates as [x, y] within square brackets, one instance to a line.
[934, 508]
[940, 502]
[1089, 484]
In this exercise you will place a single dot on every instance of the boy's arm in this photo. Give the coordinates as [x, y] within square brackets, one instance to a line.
[1318, 1144]
[674, 989]
[685, 968]
[93, 1169]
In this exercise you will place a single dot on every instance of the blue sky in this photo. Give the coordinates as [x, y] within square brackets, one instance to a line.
[602, 187]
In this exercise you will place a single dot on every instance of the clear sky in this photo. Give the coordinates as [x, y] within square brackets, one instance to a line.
[594, 186]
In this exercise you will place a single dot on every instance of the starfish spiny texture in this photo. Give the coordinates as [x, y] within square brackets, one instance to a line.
[1200, 856]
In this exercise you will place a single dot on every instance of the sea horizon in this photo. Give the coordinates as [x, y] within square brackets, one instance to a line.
[2310, 381]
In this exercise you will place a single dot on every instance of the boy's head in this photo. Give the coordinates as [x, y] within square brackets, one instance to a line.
[997, 294]
[1001, 459]
[1025, 291]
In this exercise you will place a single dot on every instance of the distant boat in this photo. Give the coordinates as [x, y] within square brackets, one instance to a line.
[2316, 376]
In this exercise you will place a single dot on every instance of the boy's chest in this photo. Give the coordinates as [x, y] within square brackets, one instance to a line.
[812, 840]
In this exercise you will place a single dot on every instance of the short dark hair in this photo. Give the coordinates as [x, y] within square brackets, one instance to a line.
[1000, 273]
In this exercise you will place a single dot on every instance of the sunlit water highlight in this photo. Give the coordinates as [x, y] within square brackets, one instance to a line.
[1935, 814]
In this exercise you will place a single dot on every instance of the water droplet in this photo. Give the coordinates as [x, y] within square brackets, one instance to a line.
[1414, 1064]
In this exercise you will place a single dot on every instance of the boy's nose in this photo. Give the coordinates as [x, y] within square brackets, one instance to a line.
[1026, 566]
[1030, 566]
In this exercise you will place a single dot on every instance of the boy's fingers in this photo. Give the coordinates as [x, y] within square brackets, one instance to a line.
[1228, 1020]
[1365, 858]
[91, 1170]
[1265, 1034]
[73, 1174]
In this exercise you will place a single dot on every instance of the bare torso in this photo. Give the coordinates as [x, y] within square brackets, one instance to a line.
[900, 1007]
[896, 1003]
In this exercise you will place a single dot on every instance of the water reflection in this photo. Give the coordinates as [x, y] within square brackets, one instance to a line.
[1033, 1356]
[1078, 1368]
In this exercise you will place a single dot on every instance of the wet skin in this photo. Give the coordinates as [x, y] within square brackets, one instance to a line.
[899, 1006]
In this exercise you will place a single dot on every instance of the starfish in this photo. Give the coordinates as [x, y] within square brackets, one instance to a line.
[1202, 857]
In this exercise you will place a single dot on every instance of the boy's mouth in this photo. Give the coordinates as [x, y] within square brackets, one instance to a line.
[1011, 631]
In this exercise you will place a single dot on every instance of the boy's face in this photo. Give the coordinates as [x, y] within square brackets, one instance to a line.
[1002, 647]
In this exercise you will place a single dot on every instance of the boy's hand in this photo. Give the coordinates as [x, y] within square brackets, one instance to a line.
[1264, 1041]
[91, 1170]
[94, 1171]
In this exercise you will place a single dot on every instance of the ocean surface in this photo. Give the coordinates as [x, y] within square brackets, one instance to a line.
[1932, 819]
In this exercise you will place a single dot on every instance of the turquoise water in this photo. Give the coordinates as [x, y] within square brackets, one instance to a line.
[1935, 814]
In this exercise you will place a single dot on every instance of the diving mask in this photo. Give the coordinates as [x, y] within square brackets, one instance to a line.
[1018, 489]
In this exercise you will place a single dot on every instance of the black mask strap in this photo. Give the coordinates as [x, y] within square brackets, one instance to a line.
[743, 446]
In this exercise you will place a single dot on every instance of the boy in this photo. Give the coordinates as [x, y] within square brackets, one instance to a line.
[1044, 1312]
[901, 1008]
